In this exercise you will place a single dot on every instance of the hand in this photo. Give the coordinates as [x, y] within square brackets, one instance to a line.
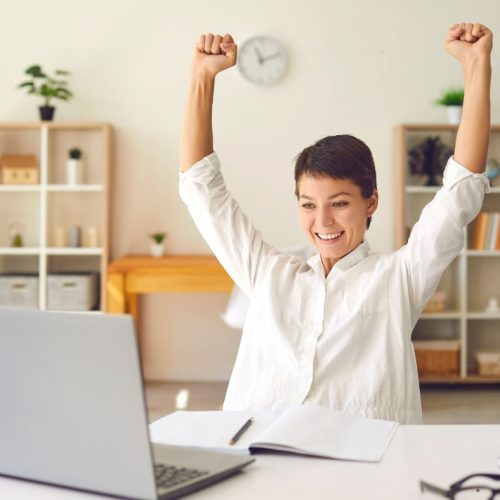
[466, 40]
[214, 53]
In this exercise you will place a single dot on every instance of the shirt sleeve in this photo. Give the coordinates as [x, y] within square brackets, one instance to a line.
[439, 235]
[227, 230]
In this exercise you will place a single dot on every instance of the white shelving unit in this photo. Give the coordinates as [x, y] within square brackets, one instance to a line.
[53, 203]
[471, 278]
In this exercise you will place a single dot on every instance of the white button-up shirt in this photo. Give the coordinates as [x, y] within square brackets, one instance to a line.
[343, 341]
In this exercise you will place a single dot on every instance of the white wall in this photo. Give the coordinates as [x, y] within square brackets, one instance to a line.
[356, 67]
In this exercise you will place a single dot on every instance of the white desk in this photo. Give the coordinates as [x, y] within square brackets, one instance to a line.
[440, 454]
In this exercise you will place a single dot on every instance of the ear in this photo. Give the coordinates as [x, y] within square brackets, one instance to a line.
[372, 203]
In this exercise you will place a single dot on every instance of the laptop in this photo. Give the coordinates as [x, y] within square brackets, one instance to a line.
[74, 415]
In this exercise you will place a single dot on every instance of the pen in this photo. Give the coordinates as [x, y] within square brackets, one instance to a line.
[244, 427]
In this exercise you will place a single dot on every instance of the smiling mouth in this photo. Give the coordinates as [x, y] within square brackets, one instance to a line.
[329, 236]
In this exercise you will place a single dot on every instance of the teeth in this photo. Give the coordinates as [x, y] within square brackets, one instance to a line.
[329, 236]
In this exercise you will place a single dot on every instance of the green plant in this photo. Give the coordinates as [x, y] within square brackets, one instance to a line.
[45, 86]
[158, 237]
[75, 153]
[451, 97]
[17, 240]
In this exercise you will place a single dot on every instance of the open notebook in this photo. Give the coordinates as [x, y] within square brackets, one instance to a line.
[306, 430]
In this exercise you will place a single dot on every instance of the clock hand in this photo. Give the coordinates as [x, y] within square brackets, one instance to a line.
[259, 56]
[278, 54]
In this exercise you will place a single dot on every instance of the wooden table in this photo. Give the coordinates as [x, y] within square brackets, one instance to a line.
[132, 275]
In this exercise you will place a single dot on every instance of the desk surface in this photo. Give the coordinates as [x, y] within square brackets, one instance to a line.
[440, 454]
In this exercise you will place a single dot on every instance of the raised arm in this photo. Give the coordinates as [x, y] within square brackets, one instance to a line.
[212, 54]
[471, 44]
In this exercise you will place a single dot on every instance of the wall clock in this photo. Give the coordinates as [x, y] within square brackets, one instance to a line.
[262, 60]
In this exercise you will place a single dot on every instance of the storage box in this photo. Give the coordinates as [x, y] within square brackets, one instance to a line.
[437, 357]
[19, 290]
[19, 169]
[488, 363]
[72, 292]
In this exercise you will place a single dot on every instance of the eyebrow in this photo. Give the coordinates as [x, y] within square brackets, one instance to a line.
[330, 197]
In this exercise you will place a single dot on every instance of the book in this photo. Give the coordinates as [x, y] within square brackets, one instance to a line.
[497, 245]
[305, 430]
[480, 231]
[492, 229]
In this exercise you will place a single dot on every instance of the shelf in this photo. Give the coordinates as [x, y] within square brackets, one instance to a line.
[470, 379]
[471, 280]
[483, 253]
[65, 188]
[422, 189]
[36, 125]
[19, 251]
[52, 205]
[482, 315]
[14, 188]
[441, 315]
[435, 189]
[98, 188]
[73, 251]
[443, 127]
[50, 251]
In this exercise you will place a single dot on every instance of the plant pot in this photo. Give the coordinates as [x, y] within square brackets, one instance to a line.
[74, 172]
[46, 113]
[157, 249]
[454, 114]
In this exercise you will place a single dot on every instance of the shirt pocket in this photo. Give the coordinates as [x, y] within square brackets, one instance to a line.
[367, 295]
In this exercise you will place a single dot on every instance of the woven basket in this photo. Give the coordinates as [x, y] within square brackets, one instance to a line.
[437, 357]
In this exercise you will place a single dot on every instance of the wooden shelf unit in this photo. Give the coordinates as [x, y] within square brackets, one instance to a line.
[471, 277]
[52, 203]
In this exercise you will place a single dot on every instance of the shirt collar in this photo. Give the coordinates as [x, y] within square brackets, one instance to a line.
[345, 263]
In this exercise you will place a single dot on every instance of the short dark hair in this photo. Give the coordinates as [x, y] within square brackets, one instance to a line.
[339, 157]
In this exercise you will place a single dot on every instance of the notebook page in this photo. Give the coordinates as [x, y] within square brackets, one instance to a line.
[209, 429]
[328, 433]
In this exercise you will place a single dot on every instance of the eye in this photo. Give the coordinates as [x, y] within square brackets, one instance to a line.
[340, 204]
[307, 205]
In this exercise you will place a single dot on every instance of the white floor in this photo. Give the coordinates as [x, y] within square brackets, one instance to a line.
[448, 404]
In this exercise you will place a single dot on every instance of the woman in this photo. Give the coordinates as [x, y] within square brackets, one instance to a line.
[334, 330]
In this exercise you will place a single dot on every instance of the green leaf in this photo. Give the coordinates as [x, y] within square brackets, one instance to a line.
[25, 84]
[35, 71]
[62, 72]
[451, 97]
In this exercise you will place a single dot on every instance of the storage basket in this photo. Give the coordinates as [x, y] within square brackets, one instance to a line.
[488, 363]
[437, 357]
[72, 292]
[19, 290]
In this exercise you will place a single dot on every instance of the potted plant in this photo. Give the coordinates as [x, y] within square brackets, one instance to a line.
[43, 85]
[74, 167]
[16, 234]
[453, 99]
[157, 249]
[429, 158]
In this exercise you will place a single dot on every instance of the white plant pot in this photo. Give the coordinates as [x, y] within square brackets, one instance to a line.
[74, 172]
[454, 114]
[157, 249]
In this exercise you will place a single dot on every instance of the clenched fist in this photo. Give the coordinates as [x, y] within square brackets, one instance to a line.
[214, 53]
[467, 39]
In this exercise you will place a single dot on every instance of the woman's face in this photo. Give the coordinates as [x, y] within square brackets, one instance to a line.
[333, 214]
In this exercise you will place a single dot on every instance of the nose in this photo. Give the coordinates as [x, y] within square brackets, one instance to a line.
[325, 217]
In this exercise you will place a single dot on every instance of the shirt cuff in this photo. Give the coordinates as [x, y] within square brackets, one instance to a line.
[455, 172]
[203, 170]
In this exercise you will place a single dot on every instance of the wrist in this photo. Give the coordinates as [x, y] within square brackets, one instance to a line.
[202, 76]
[477, 62]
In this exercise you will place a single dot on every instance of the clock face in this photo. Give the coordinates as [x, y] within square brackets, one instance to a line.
[262, 60]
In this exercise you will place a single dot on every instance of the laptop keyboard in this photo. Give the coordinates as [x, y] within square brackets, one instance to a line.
[168, 475]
